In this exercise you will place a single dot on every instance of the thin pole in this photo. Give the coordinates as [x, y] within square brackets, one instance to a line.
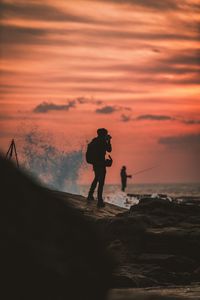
[9, 153]
[144, 170]
[16, 153]
[9, 149]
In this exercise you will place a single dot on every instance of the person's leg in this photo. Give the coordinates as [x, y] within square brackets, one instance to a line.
[123, 185]
[101, 179]
[93, 186]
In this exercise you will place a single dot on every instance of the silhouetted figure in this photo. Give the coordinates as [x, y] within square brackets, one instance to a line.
[96, 156]
[124, 177]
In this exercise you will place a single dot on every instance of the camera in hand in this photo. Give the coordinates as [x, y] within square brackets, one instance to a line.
[108, 137]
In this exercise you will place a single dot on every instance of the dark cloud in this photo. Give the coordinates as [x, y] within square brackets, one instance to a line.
[191, 58]
[154, 117]
[156, 50]
[150, 4]
[9, 117]
[192, 80]
[99, 102]
[104, 34]
[12, 89]
[191, 122]
[189, 141]
[89, 89]
[149, 117]
[157, 68]
[4, 72]
[10, 86]
[126, 108]
[83, 100]
[179, 64]
[46, 107]
[195, 6]
[38, 11]
[125, 118]
[13, 35]
[106, 110]
[21, 35]
[111, 109]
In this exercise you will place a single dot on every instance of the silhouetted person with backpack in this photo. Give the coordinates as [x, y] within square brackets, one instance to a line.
[124, 177]
[95, 155]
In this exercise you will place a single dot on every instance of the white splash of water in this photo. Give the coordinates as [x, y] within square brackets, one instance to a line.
[57, 169]
[121, 199]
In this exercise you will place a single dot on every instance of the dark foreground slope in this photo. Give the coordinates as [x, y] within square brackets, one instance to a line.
[48, 249]
[55, 246]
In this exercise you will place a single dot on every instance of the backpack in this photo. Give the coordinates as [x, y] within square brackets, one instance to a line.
[90, 153]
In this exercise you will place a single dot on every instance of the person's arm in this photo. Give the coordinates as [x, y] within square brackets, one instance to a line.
[108, 146]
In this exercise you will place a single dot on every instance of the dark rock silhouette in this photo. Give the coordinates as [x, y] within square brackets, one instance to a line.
[156, 243]
[49, 249]
[160, 241]
[54, 245]
[144, 240]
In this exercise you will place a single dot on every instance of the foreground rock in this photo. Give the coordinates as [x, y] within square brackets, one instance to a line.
[156, 243]
[162, 242]
[191, 292]
[49, 250]
[54, 245]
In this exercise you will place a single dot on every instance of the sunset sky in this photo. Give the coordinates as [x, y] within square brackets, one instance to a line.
[131, 66]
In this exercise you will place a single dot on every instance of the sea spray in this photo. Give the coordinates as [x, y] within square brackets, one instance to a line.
[58, 169]
[121, 199]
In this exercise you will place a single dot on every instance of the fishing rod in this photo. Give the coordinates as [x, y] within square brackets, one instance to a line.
[144, 170]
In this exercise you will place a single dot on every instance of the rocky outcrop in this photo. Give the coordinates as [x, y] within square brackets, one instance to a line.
[157, 242]
[57, 246]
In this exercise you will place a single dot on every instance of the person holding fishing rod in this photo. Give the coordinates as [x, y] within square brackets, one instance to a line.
[124, 177]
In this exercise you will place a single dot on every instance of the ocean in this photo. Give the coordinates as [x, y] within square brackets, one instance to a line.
[114, 195]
